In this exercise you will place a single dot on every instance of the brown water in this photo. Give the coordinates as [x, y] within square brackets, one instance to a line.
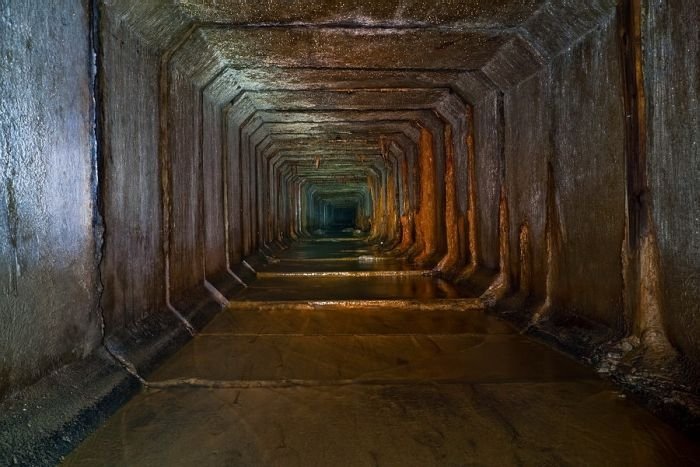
[285, 378]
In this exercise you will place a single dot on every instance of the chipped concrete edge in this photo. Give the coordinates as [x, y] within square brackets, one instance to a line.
[658, 388]
[45, 421]
[42, 423]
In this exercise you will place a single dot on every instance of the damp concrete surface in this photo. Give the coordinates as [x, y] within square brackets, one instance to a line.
[298, 373]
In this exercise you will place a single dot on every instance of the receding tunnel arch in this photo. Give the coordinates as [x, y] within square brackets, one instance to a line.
[340, 207]
[535, 156]
[258, 71]
[266, 73]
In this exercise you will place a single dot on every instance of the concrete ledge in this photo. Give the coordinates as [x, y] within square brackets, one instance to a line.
[246, 270]
[198, 307]
[664, 388]
[45, 421]
[443, 304]
[408, 273]
[256, 260]
[226, 284]
[243, 273]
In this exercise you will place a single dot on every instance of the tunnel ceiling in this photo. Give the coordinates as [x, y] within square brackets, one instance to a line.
[319, 91]
[496, 13]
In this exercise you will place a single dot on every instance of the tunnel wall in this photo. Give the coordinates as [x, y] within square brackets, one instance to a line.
[132, 267]
[528, 149]
[488, 142]
[570, 115]
[186, 242]
[214, 170]
[589, 176]
[48, 245]
[672, 84]
[162, 141]
[234, 188]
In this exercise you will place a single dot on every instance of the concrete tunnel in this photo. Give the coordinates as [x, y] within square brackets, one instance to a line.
[411, 180]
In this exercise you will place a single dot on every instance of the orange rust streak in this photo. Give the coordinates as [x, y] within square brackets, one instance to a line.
[406, 233]
[450, 261]
[525, 260]
[391, 214]
[406, 218]
[426, 215]
[501, 284]
[471, 181]
[472, 225]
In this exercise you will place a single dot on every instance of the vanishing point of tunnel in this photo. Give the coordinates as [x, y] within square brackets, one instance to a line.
[349, 233]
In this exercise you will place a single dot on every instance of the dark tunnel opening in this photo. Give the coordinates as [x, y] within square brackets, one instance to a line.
[344, 217]
[457, 215]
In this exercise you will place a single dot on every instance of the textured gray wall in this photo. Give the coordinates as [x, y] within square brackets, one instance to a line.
[48, 280]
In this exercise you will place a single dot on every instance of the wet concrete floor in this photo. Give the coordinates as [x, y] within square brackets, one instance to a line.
[303, 370]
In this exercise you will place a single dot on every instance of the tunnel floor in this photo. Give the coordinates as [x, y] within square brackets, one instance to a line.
[331, 360]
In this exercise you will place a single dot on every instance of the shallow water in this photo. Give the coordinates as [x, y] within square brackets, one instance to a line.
[289, 381]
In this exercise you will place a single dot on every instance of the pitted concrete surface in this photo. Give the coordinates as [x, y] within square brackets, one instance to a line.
[323, 385]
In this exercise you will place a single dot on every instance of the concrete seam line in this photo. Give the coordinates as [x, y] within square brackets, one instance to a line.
[183, 320]
[126, 364]
[421, 273]
[165, 169]
[349, 334]
[446, 304]
[218, 296]
[291, 383]
[245, 263]
[238, 279]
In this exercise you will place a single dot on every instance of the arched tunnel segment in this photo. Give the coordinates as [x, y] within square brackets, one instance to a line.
[377, 185]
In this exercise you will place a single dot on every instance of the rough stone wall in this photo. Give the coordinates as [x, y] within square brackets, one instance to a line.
[48, 279]
[672, 84]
